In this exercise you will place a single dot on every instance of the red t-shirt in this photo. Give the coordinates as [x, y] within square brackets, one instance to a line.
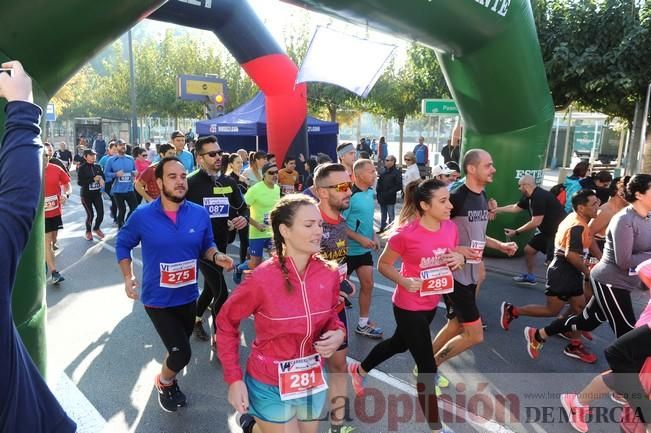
[55, 178]
[420, 250]
[149, 178]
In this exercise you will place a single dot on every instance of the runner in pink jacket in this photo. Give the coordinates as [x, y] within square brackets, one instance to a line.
[292, 298]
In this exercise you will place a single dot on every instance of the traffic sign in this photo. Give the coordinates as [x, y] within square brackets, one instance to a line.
[198, 88]
[439, 107]
[50, 113]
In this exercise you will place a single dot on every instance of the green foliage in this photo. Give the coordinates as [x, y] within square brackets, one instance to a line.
[597, 52]
[104, 91]
[399, 91]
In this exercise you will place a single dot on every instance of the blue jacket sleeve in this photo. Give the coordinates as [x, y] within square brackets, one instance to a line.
[128, 237]
[21, 174]
[108, 170]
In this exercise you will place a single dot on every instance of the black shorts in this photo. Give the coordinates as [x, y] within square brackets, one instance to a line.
[354, 262]
[563, 280]
[462, 303]
[53, 224]
[541, 242]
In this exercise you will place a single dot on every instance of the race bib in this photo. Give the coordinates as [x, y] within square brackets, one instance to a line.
[217, 207]
[478, 248]
[175, 275]
[265, 219]
[93, 186]
[287, 189]
[436, 281]
[343, 271]
[125, 178]
[301, 377]
[51, 203]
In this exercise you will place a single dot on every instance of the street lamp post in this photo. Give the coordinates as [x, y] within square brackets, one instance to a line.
[135, 138]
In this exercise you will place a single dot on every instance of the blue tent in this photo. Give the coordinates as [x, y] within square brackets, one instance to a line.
[246, 127]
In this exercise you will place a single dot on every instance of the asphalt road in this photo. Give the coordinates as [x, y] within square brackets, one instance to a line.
[104, 354]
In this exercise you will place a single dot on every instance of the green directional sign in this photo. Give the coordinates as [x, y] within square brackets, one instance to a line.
[439, 107]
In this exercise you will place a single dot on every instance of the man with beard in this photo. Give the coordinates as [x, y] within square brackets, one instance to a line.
[174, 234]
[220, 196]
[120, 171]
[333, 188]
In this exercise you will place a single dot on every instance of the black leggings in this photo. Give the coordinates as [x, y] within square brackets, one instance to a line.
[89, 201]
[121, 200]
[214, 290]
[625, 358]
[174, 326]
[244, 243]
[607, 304]
[412, 333]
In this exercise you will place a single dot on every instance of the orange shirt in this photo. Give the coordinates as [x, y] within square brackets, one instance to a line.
[287, 180]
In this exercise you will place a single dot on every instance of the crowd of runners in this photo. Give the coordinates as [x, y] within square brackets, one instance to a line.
[306, 225]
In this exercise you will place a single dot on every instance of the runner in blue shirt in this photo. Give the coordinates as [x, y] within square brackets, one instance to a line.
[362, 241]
[120, 172]
[174, 234]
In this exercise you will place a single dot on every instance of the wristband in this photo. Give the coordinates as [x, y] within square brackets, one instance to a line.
[214, 255]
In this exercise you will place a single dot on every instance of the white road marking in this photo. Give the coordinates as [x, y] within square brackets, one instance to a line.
[76, 405]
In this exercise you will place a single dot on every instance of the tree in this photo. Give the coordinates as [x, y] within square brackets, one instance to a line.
[596, 52]
[399, 91]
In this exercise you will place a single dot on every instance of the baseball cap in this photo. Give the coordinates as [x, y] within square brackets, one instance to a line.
[89, 152]
[268, 166]
[440, 169]
[177, 133]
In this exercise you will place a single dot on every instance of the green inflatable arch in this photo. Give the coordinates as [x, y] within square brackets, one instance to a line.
[488, 51]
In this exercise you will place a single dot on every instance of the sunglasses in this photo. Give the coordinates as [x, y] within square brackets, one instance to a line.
[273, 173]
[341, 187]
[213, 154]
[389, 160]
[408, 159]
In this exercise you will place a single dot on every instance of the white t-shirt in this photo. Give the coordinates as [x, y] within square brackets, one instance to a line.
[411, 174]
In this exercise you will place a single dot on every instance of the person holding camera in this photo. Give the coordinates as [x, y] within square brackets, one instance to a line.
[26, 403]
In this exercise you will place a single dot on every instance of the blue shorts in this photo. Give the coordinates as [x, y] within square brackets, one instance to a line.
[257, 246]
[265, 403]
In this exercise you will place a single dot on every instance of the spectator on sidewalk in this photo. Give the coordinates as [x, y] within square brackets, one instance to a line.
[451, 151]
[421, 153]
[99, 146]
[388, 185]
[411, 172]
[546, 214]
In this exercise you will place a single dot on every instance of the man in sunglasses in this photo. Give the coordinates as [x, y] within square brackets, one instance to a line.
[261, 198]
[219, 195]
[443, 173]
[362, 241]
[333, 188]
[186, 158]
